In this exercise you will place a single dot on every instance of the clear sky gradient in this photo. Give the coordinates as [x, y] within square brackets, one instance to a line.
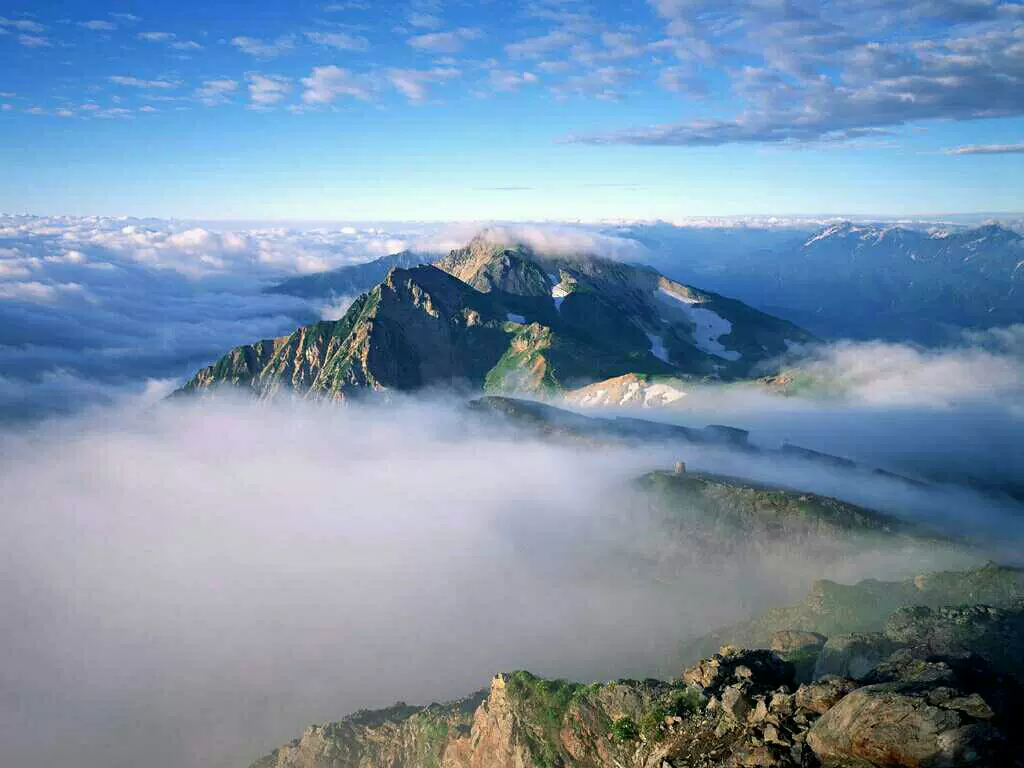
[552, 109]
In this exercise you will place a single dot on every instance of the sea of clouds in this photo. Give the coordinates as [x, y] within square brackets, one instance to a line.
[187, 584]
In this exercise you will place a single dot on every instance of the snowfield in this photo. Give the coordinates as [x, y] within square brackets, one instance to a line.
[709, 326]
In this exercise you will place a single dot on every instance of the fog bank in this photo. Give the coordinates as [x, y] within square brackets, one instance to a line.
[186, 586]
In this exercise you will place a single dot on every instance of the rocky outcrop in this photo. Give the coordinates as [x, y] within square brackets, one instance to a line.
[833, 609]
[936, 714]
[721, 513]
[735, 708]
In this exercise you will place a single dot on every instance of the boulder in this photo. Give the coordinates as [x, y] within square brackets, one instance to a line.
[820, 696]
[907, 725]
[938, 712]
[760, 671]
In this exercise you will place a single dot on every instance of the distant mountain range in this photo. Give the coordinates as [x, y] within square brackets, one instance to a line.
[350, 280]
[863, 281]
[507, 319]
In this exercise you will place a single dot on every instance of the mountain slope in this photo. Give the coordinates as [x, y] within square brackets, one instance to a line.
[875, 281]
[350, 280]
[510, 320]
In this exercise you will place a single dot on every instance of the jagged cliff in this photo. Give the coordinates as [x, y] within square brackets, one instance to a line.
[935, 688]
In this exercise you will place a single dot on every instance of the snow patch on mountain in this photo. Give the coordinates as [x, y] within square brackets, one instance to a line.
[558, 293]
[708, 326]
[658, 347]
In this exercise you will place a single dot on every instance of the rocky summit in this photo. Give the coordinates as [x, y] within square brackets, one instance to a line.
[939, 695]
[507, 319]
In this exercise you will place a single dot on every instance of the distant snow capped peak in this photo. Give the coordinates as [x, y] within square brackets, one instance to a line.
[841, 229]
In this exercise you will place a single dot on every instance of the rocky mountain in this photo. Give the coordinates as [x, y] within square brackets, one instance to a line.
[720, 514]
[934, 687]
[875, 281]
[351, 280]
[506, 319]
[632, 390]
[834, 609]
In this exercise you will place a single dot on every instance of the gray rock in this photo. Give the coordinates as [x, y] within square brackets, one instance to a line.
[904, 725]
[761, 670]
[820, 696]
[993, 633]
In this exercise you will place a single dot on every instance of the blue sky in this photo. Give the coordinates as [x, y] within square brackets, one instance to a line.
[553, 109]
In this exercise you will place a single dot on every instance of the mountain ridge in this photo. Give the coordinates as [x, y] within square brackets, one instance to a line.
[506, 319]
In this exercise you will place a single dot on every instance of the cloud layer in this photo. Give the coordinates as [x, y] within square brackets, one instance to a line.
[187, 586]
[91, 308]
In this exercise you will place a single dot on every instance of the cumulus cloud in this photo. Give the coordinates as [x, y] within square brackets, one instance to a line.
[326, 84]
[201, 582]
[136, 82]
[98, 25]
[170, 39]
[34, 41]
[838, 72]
[414, 83]
[423, 20]
[340, 40]
[267, 90]
[264, 49]
[505, 80]
[213, 92]
[541, 45]
[445, 42]
[22, 25]
[98, 306]
[878, 373]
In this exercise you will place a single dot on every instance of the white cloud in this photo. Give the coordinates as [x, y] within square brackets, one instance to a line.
[878, 373]
[536, 47]
[98, 25]
[136, 82]
[414, 83]
[445, 42]
[424, 20]
[505, 80]
[264, 49]
[325, 84]
[37, 291]
[22, 25]
[34, 41]
[987, 149]
[836, 73]
[155, 37]
[214, 92]
[171, 39]
[157, 299]
[266, 90]
[339, 40]
[129, 17]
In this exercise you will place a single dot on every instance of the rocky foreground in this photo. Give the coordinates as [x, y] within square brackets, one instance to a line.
[936, 686]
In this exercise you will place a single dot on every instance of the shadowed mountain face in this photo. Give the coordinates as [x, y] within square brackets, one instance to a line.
[867, 281]
[510, 320]
[351, 280]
